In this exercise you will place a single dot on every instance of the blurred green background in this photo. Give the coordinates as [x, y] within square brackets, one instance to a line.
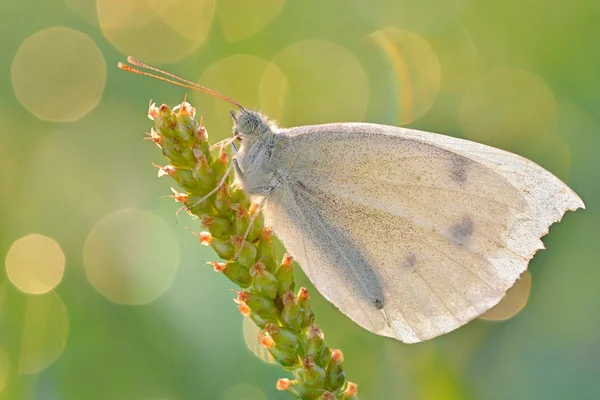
[103, 295]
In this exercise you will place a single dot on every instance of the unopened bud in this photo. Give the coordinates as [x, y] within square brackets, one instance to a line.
[335, 375]
[283, 384]
[312, 374]
[351, 392]
[260, 305]
[247, 253]
[285, 339]
[315, 344]
[308, 315]
[265, 250]
[153, 111]
[285, 275]
[266, 340]
[205, 238]
[264, 281]
[291, 314]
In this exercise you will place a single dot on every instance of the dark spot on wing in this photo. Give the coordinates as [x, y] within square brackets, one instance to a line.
[458, 171]
[378, 304]
[410, 261]
[462, 230]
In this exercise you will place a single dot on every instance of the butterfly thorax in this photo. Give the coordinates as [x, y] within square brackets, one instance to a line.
[258, 136]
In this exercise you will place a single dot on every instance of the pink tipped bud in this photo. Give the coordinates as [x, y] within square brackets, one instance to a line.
[179, 197]
[241, 212]
[287, 261]
[205, 238]
[303, 294]
[266, 340]
[308, 362]
[166, 170]
[201, 160]
[201, 133]
[352, 389]
[243, 296]
[152, 111]
[185, 109]
[272, 329]
[315, 331]
[207, 221]
[288, 297]
[223, 156]
[254, 208]
[267, 234]
[219, 267]
[257, 269]
[327, 396]
[337, 356]
[237, 241]
[155, 137]
[244, 309]
[283, 384]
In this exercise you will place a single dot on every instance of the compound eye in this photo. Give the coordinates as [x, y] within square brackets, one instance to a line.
[248, 123]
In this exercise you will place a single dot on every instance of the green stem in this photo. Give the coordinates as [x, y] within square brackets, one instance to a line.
[268, 297]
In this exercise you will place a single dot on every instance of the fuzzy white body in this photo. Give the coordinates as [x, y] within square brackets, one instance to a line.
[411, 234]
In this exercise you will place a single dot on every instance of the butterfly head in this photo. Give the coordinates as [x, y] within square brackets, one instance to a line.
[249, 123]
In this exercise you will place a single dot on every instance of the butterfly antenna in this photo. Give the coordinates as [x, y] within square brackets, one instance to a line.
[171, 78]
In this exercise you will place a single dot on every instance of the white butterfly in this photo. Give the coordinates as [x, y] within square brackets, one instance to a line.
[411, 234]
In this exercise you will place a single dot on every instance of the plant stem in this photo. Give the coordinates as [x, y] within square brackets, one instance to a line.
[268, 297]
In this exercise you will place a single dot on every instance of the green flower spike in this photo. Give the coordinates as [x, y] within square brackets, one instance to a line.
[268, 297]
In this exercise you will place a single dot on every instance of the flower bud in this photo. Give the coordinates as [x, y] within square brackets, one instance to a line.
[222, 201]
[237, 273]
[286, 359]
[308, 315]
[285, 339]
[327, 396]
[241, 220]
[295, 388]
[285, 275]
[203, 173]
[260, 305]
[247, 254]
[311, 374]
[223, 247]
[264, 281]
[315, 345]
[217, 226]
[291, 314]
[335, 375]
[265, 251]
[351, 392]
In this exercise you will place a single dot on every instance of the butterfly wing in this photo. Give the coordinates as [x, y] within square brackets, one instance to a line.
[410, 234]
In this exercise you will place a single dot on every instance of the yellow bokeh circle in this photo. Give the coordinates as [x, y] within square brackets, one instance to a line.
[514, 301]
[326, 83]
[58, 74]
[508, 105]
[131, 256]
[416, 70]
[239, 77]
[35, 264]
[45, 331]
[156, 31]
[242, 19]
